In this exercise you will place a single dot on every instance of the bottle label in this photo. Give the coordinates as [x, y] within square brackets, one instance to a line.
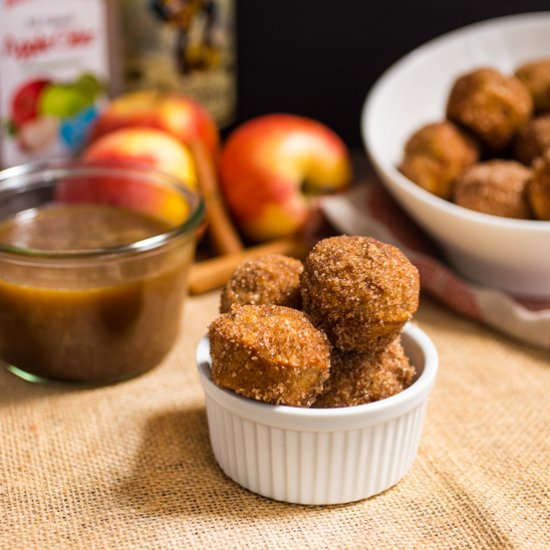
[53, 72]
[182, 45]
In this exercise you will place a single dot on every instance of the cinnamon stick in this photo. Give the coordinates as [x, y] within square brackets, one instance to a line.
[210, 274]
[223, 234]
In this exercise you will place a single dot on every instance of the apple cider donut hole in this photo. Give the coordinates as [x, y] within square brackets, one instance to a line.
[269, 353]
[496, 187]
[357, 378]
[271, 279]
[436, 154]
[538, 187]
[536, 77]
[491, 105]
[533, 139]
[360, 291]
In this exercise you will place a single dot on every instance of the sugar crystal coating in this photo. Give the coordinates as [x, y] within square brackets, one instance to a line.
[533, 139]
[493, 106]
[270, 279]
[360, 291]
[357, 378]
[270, 353]
[535, 75]
[538, 187]
[496, 187]
[436, 154]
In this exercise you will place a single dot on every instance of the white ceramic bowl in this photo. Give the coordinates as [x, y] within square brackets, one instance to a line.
[319, 456]
[512, 255]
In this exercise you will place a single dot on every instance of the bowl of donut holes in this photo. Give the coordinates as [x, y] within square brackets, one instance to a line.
[316, 380]
[459, 132]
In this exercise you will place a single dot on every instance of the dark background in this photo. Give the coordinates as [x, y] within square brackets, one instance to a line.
[319, 58]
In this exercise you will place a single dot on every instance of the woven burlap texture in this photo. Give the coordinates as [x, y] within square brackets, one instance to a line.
[130, 465]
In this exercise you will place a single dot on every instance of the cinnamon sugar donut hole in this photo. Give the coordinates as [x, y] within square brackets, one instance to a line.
[270, 353]
[496, 187]
[360, 291]
[357, 378]
[436, 154]
[535, 75]
[532, 140]
[491, 105]
[538, 188]
[270, 279]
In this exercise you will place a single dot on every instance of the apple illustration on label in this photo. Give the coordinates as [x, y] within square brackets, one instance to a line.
[24, 104]
[272, 165]
[33, 131]
[45, 112]
[38, 133]
[67, 99]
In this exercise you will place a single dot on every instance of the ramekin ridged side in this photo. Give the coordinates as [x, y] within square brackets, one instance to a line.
[320, 456]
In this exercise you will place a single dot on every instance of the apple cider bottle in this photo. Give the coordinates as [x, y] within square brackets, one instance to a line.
[57, 66]
[186, 46]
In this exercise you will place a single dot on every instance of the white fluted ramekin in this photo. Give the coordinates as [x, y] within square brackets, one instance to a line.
[320, 456]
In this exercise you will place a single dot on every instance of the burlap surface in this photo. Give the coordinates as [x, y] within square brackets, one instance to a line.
[130, 466]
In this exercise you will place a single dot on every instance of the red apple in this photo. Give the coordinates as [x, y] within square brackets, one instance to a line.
[24, 104]
[148, 146]
[271, 165]
[168, 111]
[144, 146]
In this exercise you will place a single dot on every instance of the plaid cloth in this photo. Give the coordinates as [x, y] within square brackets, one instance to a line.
[368, 209]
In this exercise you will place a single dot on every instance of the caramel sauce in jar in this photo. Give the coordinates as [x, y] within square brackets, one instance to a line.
[92, 317]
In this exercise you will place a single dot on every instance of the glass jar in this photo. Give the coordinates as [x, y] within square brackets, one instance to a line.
[87, 297]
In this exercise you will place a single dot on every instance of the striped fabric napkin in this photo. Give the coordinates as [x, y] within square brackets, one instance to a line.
[368, 209]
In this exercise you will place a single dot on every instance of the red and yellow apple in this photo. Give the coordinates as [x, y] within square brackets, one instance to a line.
[147, 146]
[135, 146]
[271, 165]
[171, 112]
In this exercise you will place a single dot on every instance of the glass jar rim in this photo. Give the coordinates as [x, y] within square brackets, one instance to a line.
[58, 168]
